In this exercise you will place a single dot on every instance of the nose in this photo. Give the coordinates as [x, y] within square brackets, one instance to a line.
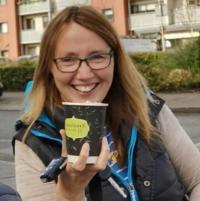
[84, 72]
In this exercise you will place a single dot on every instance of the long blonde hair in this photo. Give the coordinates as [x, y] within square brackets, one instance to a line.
[126, 97]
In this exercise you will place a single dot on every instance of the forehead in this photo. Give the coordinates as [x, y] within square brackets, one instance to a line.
[75, 37]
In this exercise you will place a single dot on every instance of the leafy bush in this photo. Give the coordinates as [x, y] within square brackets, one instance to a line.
[171, 70]
[146, 58]
[156, 77]
[179, 78]
[188, 56]
[14, 78]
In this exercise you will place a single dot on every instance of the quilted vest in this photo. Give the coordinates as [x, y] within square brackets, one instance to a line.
[155, 176]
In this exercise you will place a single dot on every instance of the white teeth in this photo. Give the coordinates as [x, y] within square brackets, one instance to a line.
[84, 88]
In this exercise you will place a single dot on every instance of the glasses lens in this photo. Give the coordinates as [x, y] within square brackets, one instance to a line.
[71, 64]
[68, 64]
[99, 61]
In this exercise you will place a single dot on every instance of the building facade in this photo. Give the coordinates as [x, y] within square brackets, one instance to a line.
[165, 22]
[9, 26]
[173, 21]
[116, 12]
[34, 16]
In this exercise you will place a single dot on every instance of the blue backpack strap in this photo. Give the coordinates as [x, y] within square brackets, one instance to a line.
[19, 124]
[43, 119]
[28, 87]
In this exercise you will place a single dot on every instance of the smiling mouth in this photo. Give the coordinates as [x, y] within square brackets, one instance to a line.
[86, 88]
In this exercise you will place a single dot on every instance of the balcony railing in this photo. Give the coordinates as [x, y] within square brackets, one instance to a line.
[34, 7]
[147, 20]
[31, 36]
[189, 15]
[61, 4]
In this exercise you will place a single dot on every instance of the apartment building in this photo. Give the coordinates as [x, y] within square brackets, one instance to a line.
[169, 21]
[116, 12]
[34, 16]
[165, 22]
[9, 39]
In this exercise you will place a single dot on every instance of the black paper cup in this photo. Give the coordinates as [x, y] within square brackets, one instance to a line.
[84, 122]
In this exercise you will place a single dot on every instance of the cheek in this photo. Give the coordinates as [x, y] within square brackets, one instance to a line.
[111, 74]
[61, 79]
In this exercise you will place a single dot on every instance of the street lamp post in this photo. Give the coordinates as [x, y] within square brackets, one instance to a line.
[162, 26]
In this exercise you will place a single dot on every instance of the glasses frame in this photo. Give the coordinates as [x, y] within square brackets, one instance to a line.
[81, 60]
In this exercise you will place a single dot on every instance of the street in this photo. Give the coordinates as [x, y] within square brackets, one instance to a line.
[7, 119]
[190, 122]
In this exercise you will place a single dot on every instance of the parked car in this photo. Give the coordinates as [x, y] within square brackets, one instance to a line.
[1, 89]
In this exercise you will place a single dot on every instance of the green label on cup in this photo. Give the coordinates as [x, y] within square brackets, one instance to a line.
[76, 128]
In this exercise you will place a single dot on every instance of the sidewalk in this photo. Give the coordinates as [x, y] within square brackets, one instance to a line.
[11, 101]
[182, 102]
[178, 102]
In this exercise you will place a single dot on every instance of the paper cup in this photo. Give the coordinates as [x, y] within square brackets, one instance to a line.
[84, 122]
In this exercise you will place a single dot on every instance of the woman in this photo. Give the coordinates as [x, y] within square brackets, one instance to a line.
[82, 60]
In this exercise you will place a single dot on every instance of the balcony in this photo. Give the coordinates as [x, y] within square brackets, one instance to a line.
[147, 22]
[61, 4]
[33, 8]
[187, 16]
[31, 36]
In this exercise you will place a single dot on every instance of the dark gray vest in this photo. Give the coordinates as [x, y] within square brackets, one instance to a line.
[155, 176]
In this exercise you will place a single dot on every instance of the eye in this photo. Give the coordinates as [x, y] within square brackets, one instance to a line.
[98, 57]
[68, 60]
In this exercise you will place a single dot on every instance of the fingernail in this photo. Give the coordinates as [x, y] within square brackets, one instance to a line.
[86, 147]
[105, 141]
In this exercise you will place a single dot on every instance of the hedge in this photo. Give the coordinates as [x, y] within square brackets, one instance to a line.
[15, 78]
[164, 71]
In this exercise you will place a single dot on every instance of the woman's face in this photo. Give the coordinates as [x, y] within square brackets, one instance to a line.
[84, 84]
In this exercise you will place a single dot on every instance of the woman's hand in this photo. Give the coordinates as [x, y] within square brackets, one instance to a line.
[73, 181]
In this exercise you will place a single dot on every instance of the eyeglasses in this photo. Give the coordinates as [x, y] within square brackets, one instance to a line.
[95, 62]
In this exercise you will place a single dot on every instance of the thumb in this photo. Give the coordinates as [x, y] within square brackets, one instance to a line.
[64, 143]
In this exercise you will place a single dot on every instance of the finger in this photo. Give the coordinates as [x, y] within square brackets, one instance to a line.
[64, 143]
[104, 155]
[80, 164]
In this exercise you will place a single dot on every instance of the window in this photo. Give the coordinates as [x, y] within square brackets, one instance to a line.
[151, 7]
[29, 1]
[108, 13]
[31, 50]
[29, 23]
[4, 53]
[3, 27]
[2, 2]
[143, 8]
[194, 2]
[191, 2]
[45, 20]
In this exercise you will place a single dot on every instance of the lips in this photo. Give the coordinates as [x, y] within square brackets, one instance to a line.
[85, 88]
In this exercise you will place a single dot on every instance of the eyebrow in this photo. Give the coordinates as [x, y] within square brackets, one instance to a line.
[73, 54]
